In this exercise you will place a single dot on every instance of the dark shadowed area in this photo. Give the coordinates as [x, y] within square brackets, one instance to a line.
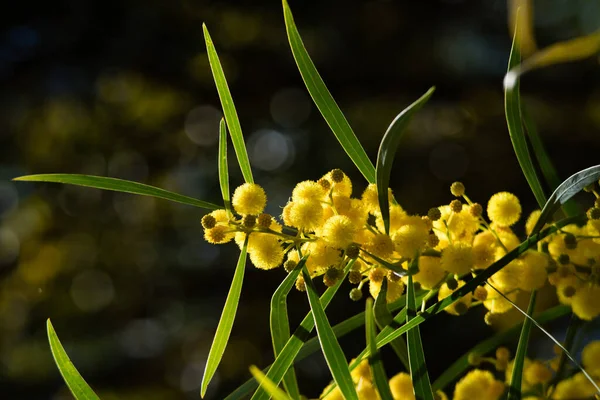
[124, 89]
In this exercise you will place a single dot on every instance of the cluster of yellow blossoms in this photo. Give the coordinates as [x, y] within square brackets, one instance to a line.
[452, 242]
[539, 380]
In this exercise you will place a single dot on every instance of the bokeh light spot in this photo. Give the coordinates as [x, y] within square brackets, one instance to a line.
[270, 150]
[92, 290]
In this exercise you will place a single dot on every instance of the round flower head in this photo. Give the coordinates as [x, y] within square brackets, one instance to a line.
[401, 387]
[537, 373]
[394, 289]
[249, 198]
[484, 250]
[340, 182]
[306, 214]
[321, 257]
[497, 304]
[370, 198]
[308, 190]
[220, 216]
[266, 252]
[586, 302]
[504, 209]
[566, 288]
[575, 387]
[430, 272]
[366, 390]
[509, 277]
[461, 306]
[381, 245]
[478, 384]
[533, 275]
[457, 189]
[411, 236]
[361, 372]
[338, 231]
[457, 258]
[591, 358]
[218, 235]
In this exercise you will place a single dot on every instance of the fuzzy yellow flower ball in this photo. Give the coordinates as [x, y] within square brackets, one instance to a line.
[304, 214]
[534, 272]
[249, 198]
[381, 245]
[478, 384]
[430, 272]
[266, 252]
[462, 305]
[586, 302]
[457, 258]
[531, 221]
[308, 190]
[401, 387]
[411, 236]
[217, 235]
[504, 209]
[338, 231]
[591, 358]
[394, 289]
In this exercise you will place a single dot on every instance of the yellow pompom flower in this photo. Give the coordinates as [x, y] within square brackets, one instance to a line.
[509, 277]
[220, 216]
[586, 302]
[397, 218]
[497, 304]
[308, 190]
[537, 373]
[401, 387]
[484, 250]
[531, 221]
[249, 198]
[266, 251]
[343, 186]
[411, 236]
[361, 372]
[507, 236]
[533, 274]
[322, 256]
[335, 394]
[575, 387]
[338, 231]
[567, 287]
[380, 244]
[370, 198]
[366, 390]
[218, 235]
[504, 209]
[430, 272]
[478, 384]
[591, 358]
[461, 226]
[461, 306]
[457, 258]
[394, 289]
[306, 214]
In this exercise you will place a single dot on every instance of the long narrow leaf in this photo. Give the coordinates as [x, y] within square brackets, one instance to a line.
[280, 325]
[387, 151]
[384, 319]
[77, 385]
[565, 191]
[543, 159]
[117, 185]
[233, 122]
[223, 167]
[268, 384]
[516, 379]
[418, 367]
[522, 11]
[574, 326]
[324, 100]
[289, 352]
[379, 377]
[226, 322]
[558, 53]
[334, 356]
[539, 326]
[512, 106]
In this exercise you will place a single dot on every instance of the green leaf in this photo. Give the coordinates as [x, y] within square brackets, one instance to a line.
[226, 322]
[289, 352]
[233, 122]
[280, 325]
[379, 377]
[418, 367]
[268, 384]
[565, 191]
[387, 151]
[117, 185]
[460, 366]
[570, 208]
[574, 326]
[516, 379]
[77, 385]
[384, 318]
[324, 101]
[397, 268]
[223, 167]
[539, 326]
[558, 53]
[334, 356]
[512, 106]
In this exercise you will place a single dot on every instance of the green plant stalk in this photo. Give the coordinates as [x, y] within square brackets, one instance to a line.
[514, 390]
[383, 318]
[377, 370]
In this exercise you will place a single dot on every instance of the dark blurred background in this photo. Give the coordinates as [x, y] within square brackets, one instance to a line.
[124, 89]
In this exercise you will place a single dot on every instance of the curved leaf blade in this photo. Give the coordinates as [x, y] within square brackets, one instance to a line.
[516, 379]
[77, 385]
[223, 167]
[324, 100]
[384, 319]
[233, 122]
[334, 356]
[416, 357]
[117, 185]
[268, 384]
[514, 121]
[565, 191]
[280, 325]
[379, 377]
[225, 322]
[387, 151]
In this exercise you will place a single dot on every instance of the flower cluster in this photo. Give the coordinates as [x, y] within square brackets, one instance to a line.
[450, 244]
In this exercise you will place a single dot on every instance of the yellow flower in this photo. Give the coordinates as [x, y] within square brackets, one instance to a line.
[411, 236]
[394, 289]
[430, 272]
[504, 208]
[509, 277]
[401, 387]
[461, 306]
[381, 245]
[338, 231]
[586, 302]
[533, 275]
[249, 198]
[308, 190]
[322, 256]
[484, 250]
[536, 373]
[497, 304]
[478, 384]
[457, 258]
[305, 214]
[217, 235]
[531, 221]
[591, 358]
[266, 251]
